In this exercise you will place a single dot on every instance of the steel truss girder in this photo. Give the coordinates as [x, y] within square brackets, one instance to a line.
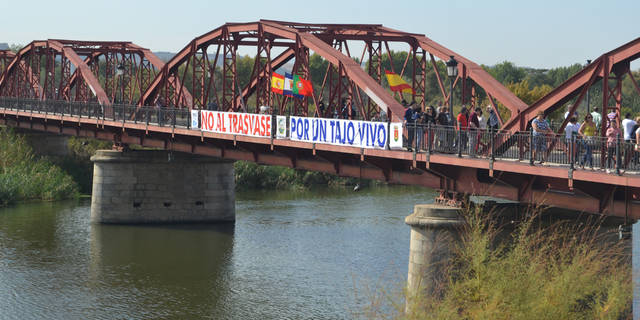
[614, 62]
[348, 79]
[72, 71]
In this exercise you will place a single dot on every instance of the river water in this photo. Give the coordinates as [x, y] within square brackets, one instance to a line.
[326, 254]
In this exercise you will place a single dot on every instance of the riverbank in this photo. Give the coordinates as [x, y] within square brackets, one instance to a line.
[25, 176]
[251, 176]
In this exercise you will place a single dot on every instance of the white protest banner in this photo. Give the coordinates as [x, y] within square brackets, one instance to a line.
[354, 133]
[395, 141]
[195, 115]
[247, 124]
[281, 125]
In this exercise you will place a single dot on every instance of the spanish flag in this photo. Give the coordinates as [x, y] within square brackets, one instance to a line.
[397, 83]
[277, 83]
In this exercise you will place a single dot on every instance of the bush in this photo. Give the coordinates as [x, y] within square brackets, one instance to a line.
[565, 270]
[24, 177]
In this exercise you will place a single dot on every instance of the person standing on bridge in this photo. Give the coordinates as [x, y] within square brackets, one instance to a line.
[408, 119]
[588, 132]
[441, 130]
[597, 117]
[571, 134]
[613, 135]
[492, 120]
[417, 123]
[320, 111]
[428, 121]
[463, 126]
[540, 131]
[474, 131]
[628, 125]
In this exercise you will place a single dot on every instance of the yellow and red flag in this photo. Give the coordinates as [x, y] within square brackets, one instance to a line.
[277, 83]
[396, 83]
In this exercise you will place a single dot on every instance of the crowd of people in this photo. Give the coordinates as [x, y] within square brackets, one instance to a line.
[471, 124]
[581, 139]
[471, 130]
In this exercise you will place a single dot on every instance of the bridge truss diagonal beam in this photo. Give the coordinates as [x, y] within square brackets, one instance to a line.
[346, 77]
[616, 61]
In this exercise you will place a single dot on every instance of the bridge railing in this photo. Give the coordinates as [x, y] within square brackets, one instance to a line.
[575, 152]
[161, 116]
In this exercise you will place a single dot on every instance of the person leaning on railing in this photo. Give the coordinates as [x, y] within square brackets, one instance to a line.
[541, 130]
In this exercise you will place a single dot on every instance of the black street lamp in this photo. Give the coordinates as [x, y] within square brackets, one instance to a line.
[452, 72]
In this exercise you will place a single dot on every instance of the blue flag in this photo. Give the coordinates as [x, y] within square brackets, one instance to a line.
[288, 85]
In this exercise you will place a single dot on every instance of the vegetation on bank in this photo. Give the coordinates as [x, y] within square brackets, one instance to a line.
[565, 270]
[251, 176]
[24, 176]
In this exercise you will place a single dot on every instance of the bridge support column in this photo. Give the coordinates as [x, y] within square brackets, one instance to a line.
[434, 232]
[161, 187]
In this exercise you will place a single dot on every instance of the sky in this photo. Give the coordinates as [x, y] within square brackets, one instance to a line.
[539, 34]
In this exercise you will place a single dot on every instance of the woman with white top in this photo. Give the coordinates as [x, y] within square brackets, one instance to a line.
[570, 131]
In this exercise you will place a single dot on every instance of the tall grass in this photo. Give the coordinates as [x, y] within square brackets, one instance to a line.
[23, 176]
[562, 270]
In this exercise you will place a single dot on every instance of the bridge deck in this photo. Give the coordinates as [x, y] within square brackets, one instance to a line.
[552, 183]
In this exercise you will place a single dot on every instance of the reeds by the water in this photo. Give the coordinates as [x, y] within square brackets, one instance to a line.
[562, 270]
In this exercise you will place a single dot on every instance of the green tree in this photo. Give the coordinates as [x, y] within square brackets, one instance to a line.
[506, 72]
[527, 94]
[15, 47]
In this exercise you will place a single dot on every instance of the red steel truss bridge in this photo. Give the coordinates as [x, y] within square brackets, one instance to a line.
[121, 92]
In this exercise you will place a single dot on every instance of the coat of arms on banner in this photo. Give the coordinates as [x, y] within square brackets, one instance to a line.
[396, 135]
[195, 116]
[281, 126]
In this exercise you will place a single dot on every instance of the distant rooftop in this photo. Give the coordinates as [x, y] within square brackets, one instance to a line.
[4, 46]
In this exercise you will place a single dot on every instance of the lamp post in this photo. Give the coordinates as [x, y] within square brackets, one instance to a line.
[119, 73]
[588, 89]
[452, 72]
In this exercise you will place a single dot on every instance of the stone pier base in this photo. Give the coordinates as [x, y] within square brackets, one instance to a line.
[161, 187]
[434, 232]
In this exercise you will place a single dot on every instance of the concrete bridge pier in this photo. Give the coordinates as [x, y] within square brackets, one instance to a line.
[434, 232]
[144, 187]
